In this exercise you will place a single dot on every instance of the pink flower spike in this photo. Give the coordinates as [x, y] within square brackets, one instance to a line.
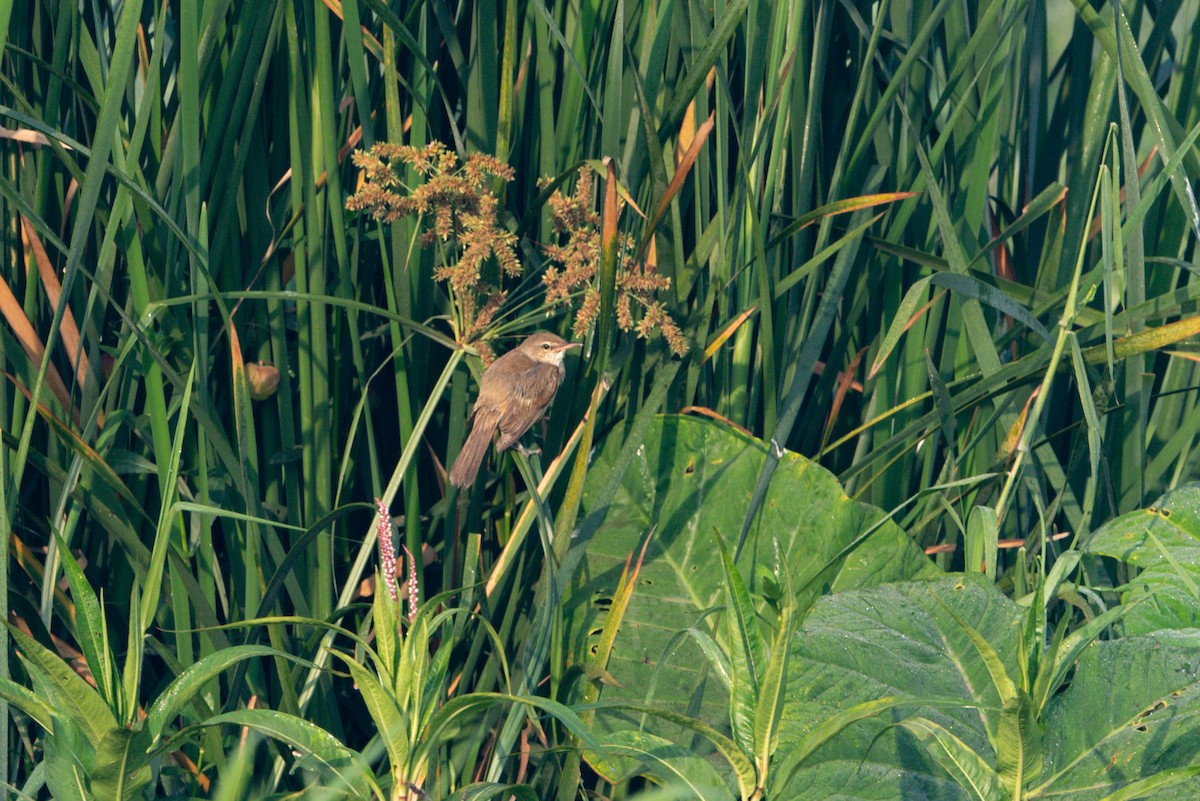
[413, 590]
[387, 549]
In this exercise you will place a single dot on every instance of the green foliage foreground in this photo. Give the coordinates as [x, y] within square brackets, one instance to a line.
[946, 250]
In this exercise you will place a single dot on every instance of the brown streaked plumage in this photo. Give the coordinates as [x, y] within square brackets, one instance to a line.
[513, 393]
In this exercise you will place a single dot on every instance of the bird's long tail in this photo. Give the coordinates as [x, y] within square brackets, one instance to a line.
[472, 453]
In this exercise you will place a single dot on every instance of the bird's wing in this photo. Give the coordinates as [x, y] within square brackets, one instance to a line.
[544, 382]
[527, 400]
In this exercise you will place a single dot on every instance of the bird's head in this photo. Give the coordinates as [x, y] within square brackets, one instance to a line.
[546, 347]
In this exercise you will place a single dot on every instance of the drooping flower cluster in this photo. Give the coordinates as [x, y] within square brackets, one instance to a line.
[456, 202]
[578, 257]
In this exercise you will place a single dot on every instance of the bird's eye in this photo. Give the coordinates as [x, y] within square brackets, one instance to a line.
[545, 346]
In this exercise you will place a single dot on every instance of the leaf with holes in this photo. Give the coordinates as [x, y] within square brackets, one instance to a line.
[1164, 542]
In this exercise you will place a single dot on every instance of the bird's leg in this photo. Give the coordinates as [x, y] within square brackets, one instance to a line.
[527, 452]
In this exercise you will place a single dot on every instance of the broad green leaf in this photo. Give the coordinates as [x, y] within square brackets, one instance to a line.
[894, 641]
[738, 762]
[121, 768]
[998, 672]
[1131, 711]
[692, 478]
[1148, 787]
[1163, 542]
[784, 770]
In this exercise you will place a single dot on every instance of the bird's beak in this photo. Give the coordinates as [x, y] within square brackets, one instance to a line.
[569, 345]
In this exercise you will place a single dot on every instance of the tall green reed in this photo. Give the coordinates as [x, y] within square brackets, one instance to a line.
[186, 168]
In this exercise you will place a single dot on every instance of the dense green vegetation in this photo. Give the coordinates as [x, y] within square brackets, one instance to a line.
[856, 486]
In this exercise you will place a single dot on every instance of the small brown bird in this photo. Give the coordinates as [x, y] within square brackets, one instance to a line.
[513, 393]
